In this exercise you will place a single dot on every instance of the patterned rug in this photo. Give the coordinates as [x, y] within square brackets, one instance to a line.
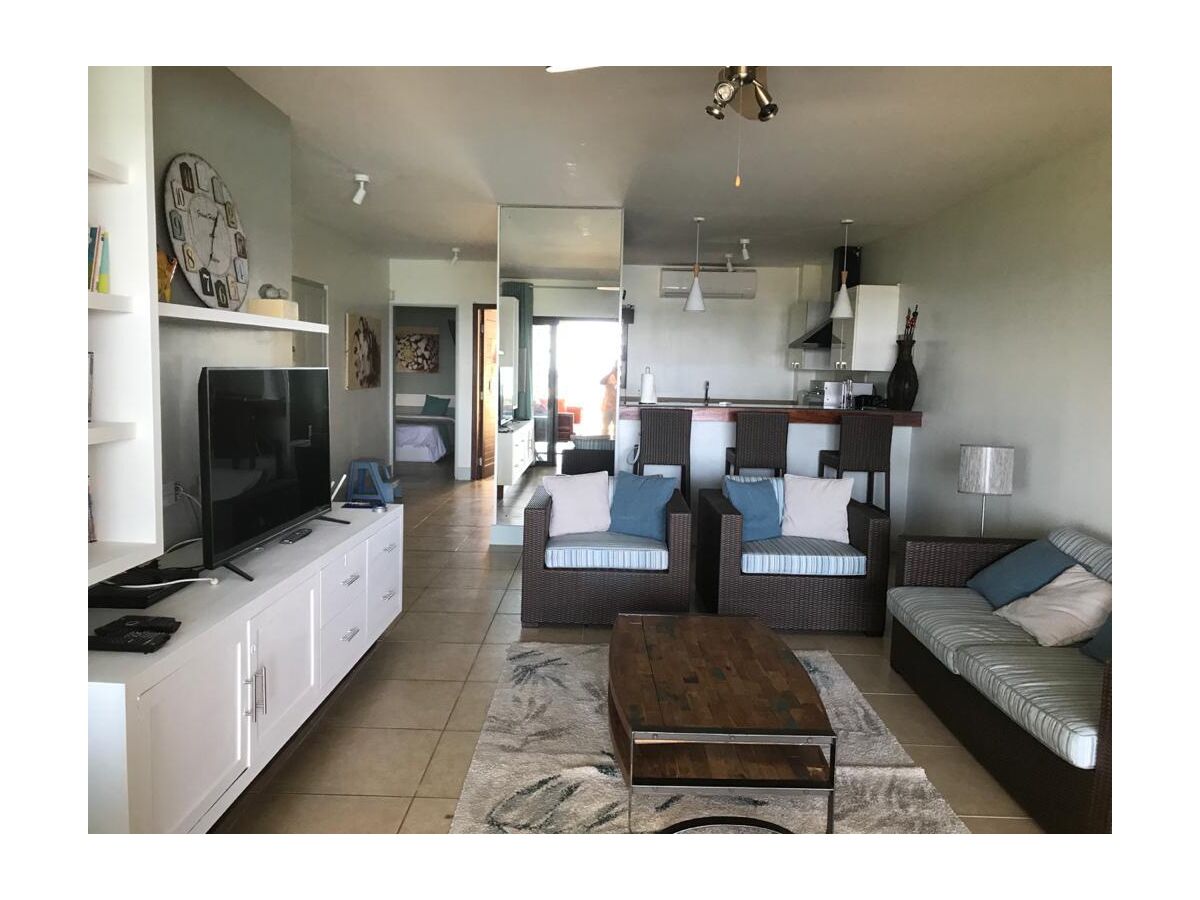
[544, 762]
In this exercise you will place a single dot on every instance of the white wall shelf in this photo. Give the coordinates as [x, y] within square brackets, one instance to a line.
[106, 171]
[204, 315]
[107, 432]
[109, 558]
[117, 303]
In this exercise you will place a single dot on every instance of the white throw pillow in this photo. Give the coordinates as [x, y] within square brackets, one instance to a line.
[1070, 609]
[816, 507]
[580, 503]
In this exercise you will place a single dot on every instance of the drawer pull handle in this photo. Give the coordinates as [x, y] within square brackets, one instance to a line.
[350, 635]
[390, 547]
[346, 582]
[388, 596]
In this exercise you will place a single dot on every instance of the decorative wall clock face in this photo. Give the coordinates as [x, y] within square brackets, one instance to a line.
[204, 226]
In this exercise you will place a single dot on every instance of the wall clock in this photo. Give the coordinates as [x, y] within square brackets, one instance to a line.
[205, 229]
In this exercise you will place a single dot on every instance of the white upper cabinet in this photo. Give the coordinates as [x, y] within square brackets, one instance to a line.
[867, 343]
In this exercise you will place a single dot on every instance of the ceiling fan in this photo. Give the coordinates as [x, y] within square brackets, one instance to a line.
[730, 80]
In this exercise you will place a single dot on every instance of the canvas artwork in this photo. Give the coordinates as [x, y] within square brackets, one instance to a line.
[363, 352]
[417, 349]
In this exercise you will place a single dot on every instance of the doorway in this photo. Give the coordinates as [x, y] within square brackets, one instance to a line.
[574, 383]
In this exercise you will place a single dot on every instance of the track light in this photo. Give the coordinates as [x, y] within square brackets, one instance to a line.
[453, 255]
[359, 195]
[745, 242]
[767, 108]
[728, 262]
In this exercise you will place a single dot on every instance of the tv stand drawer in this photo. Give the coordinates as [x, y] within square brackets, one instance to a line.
[343, 582]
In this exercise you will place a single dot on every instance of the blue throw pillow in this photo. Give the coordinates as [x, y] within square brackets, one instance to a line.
[755, 500]
[1100, 647]
[435, 406]
[639, 505]
[1020, 573]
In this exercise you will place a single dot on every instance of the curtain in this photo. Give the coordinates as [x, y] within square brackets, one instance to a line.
[523, 291]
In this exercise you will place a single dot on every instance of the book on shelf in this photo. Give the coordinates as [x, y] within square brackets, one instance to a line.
[97, 259]
[91, 382]
[91, 518]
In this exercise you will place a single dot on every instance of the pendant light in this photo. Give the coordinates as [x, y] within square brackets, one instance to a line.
[841, 305]
[695, 300]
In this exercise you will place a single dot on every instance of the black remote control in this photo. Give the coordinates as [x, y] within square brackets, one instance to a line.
[298, 534]
[164, 624]
[129, 641]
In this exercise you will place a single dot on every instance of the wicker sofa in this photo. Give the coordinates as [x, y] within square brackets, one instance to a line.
[1038, 718]
[792, 602]
[553, 595]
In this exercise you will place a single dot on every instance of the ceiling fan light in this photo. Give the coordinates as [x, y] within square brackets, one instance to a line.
[695, 300]
[767, 108]
[715, 111]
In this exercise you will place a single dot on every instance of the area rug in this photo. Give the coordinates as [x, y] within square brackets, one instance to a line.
[544, 763]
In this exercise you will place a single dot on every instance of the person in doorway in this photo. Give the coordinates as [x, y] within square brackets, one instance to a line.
[608, 407]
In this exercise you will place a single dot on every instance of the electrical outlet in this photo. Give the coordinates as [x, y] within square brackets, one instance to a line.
[169, 493]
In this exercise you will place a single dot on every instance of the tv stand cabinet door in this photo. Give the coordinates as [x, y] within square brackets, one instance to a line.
[283, 669]
[188, 738]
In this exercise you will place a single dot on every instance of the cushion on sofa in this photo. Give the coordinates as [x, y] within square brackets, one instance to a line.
[1100, 647]
[776, 485]
[1054, 693]
[816, 507]
[755, 500]
[606, 550]
[639, 505]
[802, 556]
[1068, 610]
[947, 619]
[580, 503]
[1020, 573]
[1091, 553]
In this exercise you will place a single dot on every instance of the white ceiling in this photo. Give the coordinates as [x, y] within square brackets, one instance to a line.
[885, 146]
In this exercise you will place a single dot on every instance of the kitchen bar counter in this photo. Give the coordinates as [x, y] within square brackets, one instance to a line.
[797, 415]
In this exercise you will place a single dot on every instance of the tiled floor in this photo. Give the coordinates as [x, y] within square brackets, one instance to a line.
[389, 750]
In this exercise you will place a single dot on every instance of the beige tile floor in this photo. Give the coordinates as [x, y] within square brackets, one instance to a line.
[389, 750]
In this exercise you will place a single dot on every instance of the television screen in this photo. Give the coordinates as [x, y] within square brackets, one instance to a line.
[264, 455]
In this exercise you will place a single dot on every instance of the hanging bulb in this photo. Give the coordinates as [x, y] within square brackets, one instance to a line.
[695, 300]
[841, 304]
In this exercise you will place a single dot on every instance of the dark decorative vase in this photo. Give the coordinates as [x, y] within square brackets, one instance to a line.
[902, 383]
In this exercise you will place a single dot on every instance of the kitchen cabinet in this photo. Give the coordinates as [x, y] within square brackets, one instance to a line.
[867, 343]
[514, 452]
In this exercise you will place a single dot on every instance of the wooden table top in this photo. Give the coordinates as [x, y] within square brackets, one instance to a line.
[710, 674]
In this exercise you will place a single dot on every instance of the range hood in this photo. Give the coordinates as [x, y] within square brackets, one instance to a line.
[819, 337]
[810, 327]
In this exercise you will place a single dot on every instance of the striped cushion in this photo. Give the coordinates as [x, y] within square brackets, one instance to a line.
[592, 443]
[776, 483]
[802, 556]
[1054, 693]
[1091, 553]
[606, 550]
[947, 619]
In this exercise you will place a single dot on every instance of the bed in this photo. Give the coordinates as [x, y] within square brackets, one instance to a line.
[422, 438]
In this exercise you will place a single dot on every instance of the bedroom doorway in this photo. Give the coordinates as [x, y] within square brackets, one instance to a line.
[423, 369]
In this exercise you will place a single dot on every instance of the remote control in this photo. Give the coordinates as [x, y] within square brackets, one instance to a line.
[296, 535]
[164, 624]
[129, 641]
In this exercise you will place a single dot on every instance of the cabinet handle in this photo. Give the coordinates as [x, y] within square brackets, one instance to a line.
[346, 582]
[390, 547]
[255, 704]
[264, 690]
[388, 596]
[349, 635]
[251, 711]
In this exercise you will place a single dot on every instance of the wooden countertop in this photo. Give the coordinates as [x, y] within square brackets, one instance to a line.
[797, 415]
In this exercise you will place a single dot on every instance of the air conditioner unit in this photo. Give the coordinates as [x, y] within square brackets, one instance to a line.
[739, 284]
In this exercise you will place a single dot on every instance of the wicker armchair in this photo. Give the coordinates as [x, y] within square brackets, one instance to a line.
[1059, 796]
[792, 602]
[595, 596]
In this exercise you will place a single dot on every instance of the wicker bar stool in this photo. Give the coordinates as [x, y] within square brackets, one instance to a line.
[666, 440]
[761, 443]
[865, 446]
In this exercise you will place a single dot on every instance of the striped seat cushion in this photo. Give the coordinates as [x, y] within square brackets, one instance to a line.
[1054, 693]
[1091, 553]
[947, 619]
[606, 550]
[801, 556]
[592, 443]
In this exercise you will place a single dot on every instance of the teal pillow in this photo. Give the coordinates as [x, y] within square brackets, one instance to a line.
[1020, 573]
[1100, 646]
[639, 505]
[755, 500]
[435, 406]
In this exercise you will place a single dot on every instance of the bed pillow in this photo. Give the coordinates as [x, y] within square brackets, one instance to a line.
[755, 500]
[1100, 647]
[816, 507]
[639, 505]
[1070, 609]
[435, 406]
[580, 503]
[1020, 573]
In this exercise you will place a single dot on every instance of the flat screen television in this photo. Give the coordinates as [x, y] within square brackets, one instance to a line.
[264, 455]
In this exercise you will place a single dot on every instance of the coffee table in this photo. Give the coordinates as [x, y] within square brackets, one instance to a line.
[715, 704]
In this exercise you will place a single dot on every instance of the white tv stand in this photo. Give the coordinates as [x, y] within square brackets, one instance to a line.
[175, 736]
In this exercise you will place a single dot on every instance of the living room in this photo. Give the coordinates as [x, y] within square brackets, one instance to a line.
[602, 450]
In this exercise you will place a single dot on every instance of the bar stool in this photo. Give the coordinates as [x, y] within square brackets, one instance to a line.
[761, 443]
[666, 440]
[865, 446]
